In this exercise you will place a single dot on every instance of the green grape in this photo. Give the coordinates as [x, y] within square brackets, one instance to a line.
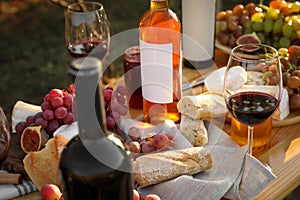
[284, 42]
[258, 26]
[268, 25]
[275, 44]
[257, 17]
[247, 24]
[272, 14]
[296, 24]
[287, 30]
[277, 27]
[248, 30]
[268, 41]
[261, 36]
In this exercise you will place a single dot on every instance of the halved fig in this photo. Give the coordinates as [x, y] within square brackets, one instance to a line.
[33, 138]
[250, 39]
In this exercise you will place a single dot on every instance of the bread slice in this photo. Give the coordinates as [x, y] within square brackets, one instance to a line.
[42, 166]
[203, 106]
[158, 167]
[193, 130]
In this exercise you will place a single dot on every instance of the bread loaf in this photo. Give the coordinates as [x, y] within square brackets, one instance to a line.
[42, 166]
[204, 106]
[158, 167]
[193, 130]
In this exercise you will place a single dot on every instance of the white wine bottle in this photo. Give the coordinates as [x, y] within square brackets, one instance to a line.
[198, 28]
[160, 49]
[94, 164]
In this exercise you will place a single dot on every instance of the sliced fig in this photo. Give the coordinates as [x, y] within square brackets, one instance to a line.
[250, 38]
[33, 138]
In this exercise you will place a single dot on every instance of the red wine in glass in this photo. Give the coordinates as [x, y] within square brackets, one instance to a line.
[252, 108]
[94, 48]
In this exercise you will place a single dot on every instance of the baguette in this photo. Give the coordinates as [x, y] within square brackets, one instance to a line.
[193, 130]
[155, 168]
[204, 106]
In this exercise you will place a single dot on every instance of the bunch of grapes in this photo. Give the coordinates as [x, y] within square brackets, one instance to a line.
[57, 109]
[290, 60]
[277, 25]
[115, 105]
[151, 143]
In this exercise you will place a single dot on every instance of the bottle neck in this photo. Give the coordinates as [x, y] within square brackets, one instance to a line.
[159, 4]
[89, 100]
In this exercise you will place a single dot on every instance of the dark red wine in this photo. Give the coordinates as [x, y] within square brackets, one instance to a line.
[252, 108]
[84, 49]
[85, 177]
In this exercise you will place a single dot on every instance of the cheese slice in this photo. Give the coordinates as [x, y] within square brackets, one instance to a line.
[283, 109]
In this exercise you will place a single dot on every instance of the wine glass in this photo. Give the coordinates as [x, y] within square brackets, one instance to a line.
[86, 29]
[4, 137]
[252, 85]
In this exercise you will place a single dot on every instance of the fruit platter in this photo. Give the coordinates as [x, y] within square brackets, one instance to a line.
[277, 25]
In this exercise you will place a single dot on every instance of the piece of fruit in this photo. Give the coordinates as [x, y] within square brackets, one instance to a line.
[33, 138]
[152, 197]
[160, 140]
[136, 195]
[251, 38]
[50, 192]
[295, 101]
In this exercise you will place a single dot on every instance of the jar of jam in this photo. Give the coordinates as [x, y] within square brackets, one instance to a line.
[132, 76]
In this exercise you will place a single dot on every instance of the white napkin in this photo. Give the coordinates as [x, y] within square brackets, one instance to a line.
[234, 175]
[8, 191]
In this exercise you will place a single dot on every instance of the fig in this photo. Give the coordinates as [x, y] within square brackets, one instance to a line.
[33, 138]
[250, 38]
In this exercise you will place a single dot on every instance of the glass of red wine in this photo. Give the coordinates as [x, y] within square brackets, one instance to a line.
[252, 85]
[4, 137]
[87, 30]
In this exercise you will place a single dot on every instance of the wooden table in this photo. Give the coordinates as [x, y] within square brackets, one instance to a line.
[282, 154]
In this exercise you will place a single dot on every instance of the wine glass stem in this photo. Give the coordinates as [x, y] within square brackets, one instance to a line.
[250, 139]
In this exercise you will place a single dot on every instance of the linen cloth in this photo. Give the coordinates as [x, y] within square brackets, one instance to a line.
[235, 174]
[8, 191]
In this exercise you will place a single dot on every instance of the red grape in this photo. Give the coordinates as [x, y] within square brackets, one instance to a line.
[148, 147]
[134, 133]
[134, 147]
[69, 119]
[30, 120]
[107, 93]
[48, 114]
[56, 93]
[121, 99]
[53, 125]
[57, 102]
[20, 127]
[47, 98]
[60, 112]
[68, 100]
[116, 116]
[160, 141]
[110, 122]
[122, 90]
[121, 109]
[46, 105]
[41, 122]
